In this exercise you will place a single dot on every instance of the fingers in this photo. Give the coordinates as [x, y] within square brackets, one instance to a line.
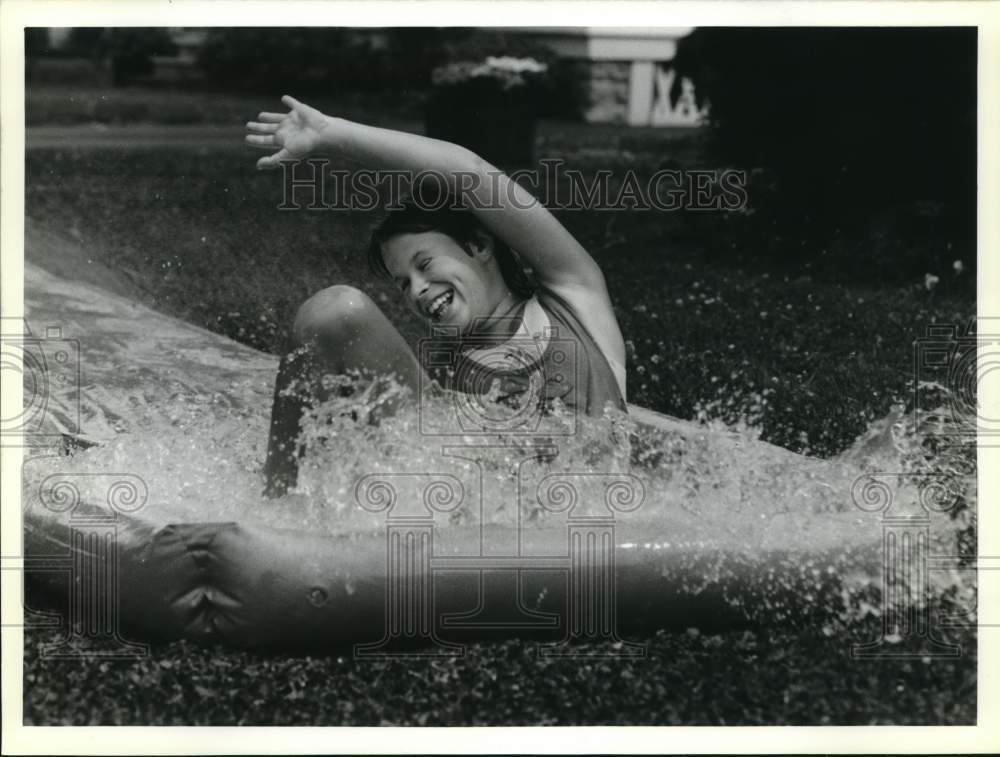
[272, 161]
[263, 132]
[262, 128]
[259, 140]
[272, 118]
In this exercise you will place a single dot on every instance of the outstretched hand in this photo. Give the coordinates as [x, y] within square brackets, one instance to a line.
[294, 135]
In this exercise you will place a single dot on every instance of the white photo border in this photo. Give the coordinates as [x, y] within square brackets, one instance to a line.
[17, 14]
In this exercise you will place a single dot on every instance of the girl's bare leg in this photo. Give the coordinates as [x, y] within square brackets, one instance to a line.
[337, 331]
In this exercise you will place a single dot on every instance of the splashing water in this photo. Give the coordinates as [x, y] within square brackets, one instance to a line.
[705, 489]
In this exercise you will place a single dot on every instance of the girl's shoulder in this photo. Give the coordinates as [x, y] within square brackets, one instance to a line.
[592, 313]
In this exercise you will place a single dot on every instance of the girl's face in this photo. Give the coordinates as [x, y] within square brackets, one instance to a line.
[440, 281]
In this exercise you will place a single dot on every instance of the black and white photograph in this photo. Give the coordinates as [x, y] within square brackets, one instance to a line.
[496, 374]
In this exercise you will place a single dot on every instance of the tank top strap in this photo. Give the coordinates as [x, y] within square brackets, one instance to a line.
[550, 353]
[599, 363]
[528, 343]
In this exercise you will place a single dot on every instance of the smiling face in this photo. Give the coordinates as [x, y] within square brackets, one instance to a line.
[440, 281]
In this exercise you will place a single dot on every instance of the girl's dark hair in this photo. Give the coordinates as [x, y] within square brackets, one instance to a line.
[442, 213]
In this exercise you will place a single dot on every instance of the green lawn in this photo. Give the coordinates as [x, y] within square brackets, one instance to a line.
[739, 678]
[48, 104]
[808, 359]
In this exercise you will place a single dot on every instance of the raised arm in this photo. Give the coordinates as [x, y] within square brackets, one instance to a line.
[501, 204]
[504, 207]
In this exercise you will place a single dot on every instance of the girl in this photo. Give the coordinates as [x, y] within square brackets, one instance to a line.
[455, 269]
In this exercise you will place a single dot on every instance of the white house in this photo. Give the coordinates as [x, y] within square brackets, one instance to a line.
[626, 71]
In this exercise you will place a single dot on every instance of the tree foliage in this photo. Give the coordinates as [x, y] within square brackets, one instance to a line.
[318, 59]
[845, 128]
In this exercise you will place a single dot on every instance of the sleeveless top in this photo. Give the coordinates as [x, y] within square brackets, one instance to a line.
[548, 355]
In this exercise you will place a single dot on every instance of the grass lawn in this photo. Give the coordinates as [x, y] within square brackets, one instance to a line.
[737, 678]
[809, 360]
[51, 104]
[197, 232]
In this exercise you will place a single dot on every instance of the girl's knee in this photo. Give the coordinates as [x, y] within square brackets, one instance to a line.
[335, 311]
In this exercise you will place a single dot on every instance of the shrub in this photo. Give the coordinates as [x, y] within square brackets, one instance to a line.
[319, 60]
[553, 95]
[130, 51]
[489, 105]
